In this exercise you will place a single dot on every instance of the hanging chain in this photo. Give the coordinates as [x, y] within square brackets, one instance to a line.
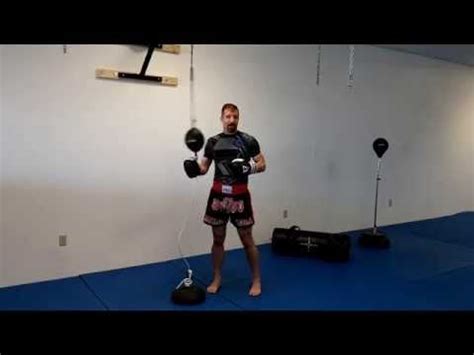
[191, 90]
[318, 68]
[351, 65]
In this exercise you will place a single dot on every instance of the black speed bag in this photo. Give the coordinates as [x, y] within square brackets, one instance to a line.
[380, 146]
[194, 139]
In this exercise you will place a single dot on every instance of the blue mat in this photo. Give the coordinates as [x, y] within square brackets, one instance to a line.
[409, 258]
[456, 229]
[371, 280]
[56, 295]
[146, 287]
[452, 290]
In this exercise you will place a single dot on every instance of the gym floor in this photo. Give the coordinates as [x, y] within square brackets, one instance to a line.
[430, 266]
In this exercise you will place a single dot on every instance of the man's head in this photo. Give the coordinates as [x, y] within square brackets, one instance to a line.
[230, 118]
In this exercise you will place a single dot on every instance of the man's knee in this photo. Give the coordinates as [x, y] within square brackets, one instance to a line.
[246, 237]
[219, 235]
[248, 244]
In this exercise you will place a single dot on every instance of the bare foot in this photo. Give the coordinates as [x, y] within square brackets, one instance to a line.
[214, 286]
[255, 289]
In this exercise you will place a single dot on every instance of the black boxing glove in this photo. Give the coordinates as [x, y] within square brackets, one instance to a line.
[191, 167]
[241, 167]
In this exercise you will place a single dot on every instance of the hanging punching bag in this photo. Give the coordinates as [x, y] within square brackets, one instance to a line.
[194, 139]
[380, 146]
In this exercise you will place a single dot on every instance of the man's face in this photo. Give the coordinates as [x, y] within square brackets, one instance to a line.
[230, 120]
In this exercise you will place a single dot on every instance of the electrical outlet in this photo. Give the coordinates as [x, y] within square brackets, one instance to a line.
[62, 240]
[285, 213]
[389, 202]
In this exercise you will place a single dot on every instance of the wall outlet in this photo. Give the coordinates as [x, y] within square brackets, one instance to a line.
[285, 213]
[390, 202]
[62, 240]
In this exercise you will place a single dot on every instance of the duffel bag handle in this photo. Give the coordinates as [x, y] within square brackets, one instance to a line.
[292, 233]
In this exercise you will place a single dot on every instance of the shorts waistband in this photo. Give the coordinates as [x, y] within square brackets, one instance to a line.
[234, 189]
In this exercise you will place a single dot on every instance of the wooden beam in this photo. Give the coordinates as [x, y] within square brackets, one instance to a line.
[169, 48]
[117, 75]
[161, 80]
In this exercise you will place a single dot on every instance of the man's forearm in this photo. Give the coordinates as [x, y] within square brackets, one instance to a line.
[259, 166]
[203, 166]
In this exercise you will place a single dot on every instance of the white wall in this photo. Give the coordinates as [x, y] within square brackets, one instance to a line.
[102, 160]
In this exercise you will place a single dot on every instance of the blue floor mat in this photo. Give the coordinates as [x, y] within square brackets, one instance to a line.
[56, 295]
[146, 287]
[409, 258]
[371, 280]
[456, 229]
[451, 291]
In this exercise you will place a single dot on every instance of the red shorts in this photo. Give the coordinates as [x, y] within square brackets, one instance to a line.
[229, 202]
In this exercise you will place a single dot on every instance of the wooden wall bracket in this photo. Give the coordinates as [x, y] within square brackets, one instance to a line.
[159, 79]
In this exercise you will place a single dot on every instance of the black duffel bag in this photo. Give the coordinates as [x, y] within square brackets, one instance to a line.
[296, 242]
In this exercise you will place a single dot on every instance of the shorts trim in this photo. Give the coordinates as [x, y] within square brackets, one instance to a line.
[212, 221]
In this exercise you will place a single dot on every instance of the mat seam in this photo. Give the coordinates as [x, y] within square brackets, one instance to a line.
[93, 292]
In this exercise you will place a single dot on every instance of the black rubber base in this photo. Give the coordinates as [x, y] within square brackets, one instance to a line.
[370, 240]
[188, 295]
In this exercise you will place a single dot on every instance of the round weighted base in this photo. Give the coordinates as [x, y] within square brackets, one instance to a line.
[370, 240]
[188, 295]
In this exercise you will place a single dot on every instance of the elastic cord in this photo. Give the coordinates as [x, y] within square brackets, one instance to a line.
[186, 220]
[193, 123]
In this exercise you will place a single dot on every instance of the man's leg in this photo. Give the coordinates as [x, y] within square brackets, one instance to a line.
[245, 234]
[217, 250]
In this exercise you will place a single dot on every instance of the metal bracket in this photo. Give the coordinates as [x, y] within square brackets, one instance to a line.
[162, 80]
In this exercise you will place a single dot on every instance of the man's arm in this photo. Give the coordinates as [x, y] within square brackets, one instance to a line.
[259, 160]
[204, 165]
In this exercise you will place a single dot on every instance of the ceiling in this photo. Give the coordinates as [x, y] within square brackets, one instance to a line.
[456, 53]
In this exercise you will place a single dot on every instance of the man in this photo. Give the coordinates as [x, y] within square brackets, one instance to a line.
[236, 155]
